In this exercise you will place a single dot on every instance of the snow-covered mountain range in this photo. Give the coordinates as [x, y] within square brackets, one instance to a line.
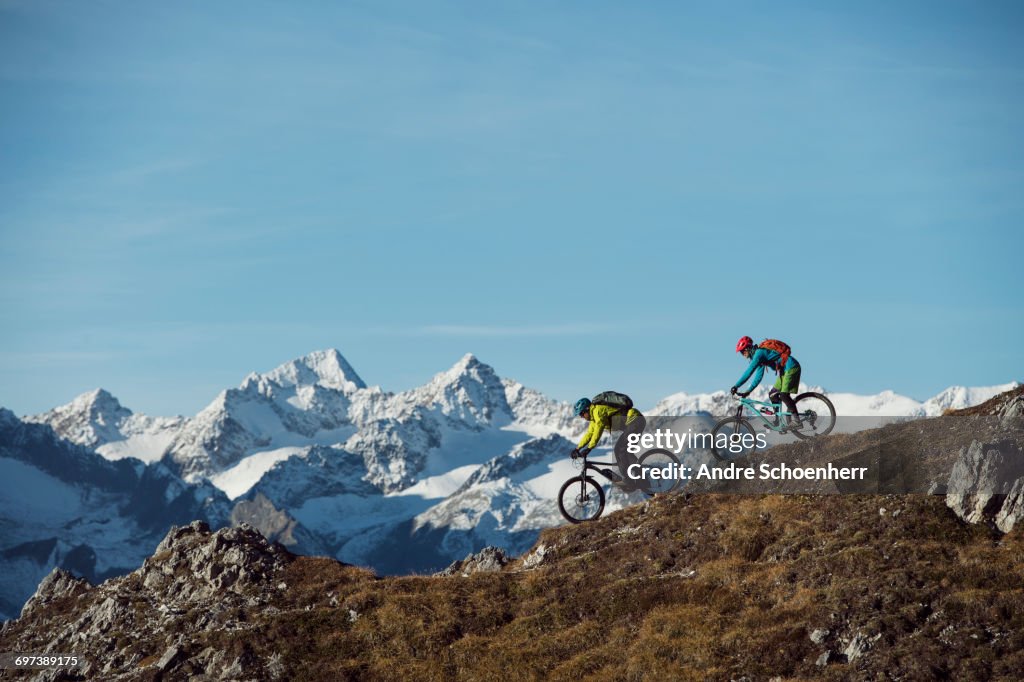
[61, 504]
[314, 457]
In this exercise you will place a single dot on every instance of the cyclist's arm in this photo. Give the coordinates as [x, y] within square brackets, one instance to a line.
[592, 437]
[756, 380]
[600, 419]
[756, 367]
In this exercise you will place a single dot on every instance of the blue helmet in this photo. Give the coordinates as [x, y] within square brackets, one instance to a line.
[581, 406]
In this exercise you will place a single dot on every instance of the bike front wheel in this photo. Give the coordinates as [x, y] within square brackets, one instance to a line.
[580, 499]
[732, 438]
[817, 414]
[666, 464]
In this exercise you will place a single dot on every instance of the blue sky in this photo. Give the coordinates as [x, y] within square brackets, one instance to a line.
[585, 195]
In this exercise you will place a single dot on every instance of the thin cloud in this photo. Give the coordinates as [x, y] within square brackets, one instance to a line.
[10, 362]
[572, 329]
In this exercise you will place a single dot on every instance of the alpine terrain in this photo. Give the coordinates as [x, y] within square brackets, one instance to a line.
[692, 586]
[315, 459]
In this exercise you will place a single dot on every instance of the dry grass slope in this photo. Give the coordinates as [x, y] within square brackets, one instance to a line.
[706, 587]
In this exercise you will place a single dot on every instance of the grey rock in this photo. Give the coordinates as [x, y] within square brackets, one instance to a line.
[109, 614]
[232, 671]
[858, 646]
[981, 478]
[937, 488]
[537, 556]
[818, 636]
[171, 658]
[487, 560]
[275, 667]
[50, 675]
[230, 559]
[197, 582]
[830, 657]
[1012, 511]
[59, 584]
[1012, 413]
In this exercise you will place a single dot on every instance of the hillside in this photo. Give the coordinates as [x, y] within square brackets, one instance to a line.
[700, 587]
[696, 586]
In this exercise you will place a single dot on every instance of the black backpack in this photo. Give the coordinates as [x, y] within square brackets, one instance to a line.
[613, 399]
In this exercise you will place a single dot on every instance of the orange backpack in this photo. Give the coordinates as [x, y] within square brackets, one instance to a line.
[779, 347]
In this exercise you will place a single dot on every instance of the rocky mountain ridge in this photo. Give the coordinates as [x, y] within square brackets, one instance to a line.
[61, 504]
[196, 583]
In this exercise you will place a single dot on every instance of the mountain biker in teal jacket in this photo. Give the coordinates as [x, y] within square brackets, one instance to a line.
[787, 383]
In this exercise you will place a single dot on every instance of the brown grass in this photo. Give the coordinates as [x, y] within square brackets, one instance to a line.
[708, 587]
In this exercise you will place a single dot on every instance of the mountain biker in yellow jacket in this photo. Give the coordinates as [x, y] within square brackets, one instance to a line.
[611, 418]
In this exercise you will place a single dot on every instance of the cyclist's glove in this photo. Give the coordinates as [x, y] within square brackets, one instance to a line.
[733, 390]
[574, 454]
[583, 452]
[743, 395]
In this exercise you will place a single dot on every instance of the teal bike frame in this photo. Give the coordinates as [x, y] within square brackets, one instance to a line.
[775, 424]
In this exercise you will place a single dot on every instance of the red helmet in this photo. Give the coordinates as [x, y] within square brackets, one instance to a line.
[744, 343]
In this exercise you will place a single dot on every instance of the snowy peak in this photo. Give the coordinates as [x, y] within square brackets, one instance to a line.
[467, 368]
[959, 397]
[679, 404]
[97, 420]
[99, 403]
[286, 407]
[326, 368]
[471, 391]
[531, 407]
[91, 419]
[467, 362]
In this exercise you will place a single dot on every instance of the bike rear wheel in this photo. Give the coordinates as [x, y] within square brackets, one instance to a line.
[580, 499]
[665, 462]
[734, 433]
[817, 414]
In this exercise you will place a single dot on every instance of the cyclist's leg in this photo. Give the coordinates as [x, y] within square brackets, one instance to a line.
[787, 384]
[787, 398]
[622, 455]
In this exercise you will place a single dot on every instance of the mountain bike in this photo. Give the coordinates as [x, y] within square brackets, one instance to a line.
[581, 498]
[817, 416]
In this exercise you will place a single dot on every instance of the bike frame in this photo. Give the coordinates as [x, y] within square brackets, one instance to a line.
[751, 405]
[593, 466]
